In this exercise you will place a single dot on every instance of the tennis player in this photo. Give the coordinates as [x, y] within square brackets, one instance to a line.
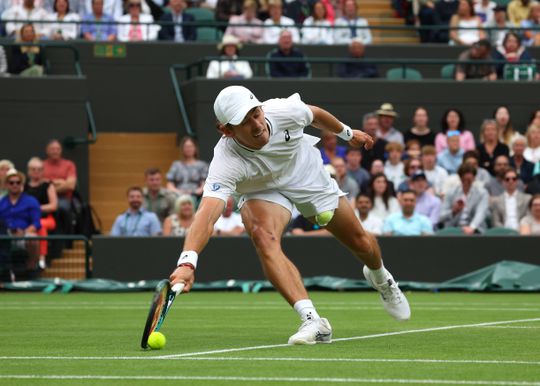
[265, 156]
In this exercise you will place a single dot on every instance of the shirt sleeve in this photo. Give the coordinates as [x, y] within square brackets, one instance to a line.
[426, 227]
[115, 230]
[290, 113]
[155, 226]
[223, 174]
[35, 214]
[71, 170]
[387, 226]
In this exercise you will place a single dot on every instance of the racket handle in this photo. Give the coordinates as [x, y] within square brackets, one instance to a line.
[178, 288]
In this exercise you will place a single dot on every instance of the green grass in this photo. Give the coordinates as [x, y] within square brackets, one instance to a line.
[67, 329]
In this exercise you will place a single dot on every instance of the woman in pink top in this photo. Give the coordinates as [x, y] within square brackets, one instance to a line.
[453, 120]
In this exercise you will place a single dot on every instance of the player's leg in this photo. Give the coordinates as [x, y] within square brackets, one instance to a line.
[265, 222]
[347, 229]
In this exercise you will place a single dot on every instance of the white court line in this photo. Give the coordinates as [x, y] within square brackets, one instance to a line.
[272, 379]
[517, 327]
[357, 337]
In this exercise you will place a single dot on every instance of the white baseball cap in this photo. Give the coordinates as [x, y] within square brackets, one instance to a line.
[233, 103]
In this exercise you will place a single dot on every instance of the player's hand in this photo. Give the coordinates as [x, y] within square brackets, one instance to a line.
[360, 138]
[184, 275]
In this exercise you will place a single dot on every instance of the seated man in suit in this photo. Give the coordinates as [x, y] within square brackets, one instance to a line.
[509, 208]
[286, 50]
[177, 32]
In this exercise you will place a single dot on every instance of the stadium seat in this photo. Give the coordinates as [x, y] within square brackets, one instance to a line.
[401, 73]
[208, 34]
[500, 231]
[447, 71]
[450, 231]
[200, 13]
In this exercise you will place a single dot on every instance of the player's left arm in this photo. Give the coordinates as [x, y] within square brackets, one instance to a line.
[323, 120]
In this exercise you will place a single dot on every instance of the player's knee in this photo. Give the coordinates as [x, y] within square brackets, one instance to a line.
[364, 243]
[264, 240]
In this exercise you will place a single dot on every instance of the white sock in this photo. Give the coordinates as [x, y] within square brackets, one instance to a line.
[306, 310]
[379, 275]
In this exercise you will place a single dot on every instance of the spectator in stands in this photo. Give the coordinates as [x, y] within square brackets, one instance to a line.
[411, 166]
[230, 222]
[382, 195]
[445, 10]
[531, 37]
[469, 25]
[377, 167]
[355, 169]
[350, 26]
[5, 166]
[286, 49]
[420, 130]
[346, 183]
[507, 134]
[61, 172]
[480, 50]
[301, 226]
[135, 32]
[485, 10]
[519, 10]
[435, 174]
[230, 67]
[532, 152]
[393, 167]
[369, 222]
[534, 118]
[472, 158]
[178, 223]
[277, 23]
[495, 186]
[427, 203]
[356, 67]
[300, 10]
[62, 30]
[387, 116]
[523, 167]
[530, 225]
[533, 187]
[428, 17]
[413, 149]
[177, 32]
[21, 213]
[316, 28]
[330, 148]
[453, 120]
[500, 21]
[157, 199]
[508, 209]
[370, 125]
[227, 8]
[407, 222]
[466, 205]
[136, 221]
[27, 60]
[98, 32]
[451, 157]
[44, 192]
[114, 8]
[24, 13]
[187, 175]
[512, 51]
[252, 32]
[490, 147]
[3, 59]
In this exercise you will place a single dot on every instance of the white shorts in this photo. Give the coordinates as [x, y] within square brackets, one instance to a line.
[309, 202]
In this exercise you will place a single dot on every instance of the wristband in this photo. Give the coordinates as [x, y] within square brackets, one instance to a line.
[346, 133]
[187, 265]
[188, 257]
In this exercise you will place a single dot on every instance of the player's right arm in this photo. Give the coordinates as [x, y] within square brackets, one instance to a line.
[200, 231]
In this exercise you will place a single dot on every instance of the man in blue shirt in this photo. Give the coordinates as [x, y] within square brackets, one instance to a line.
[451, 158]
[407, 222]
[426, 202]
[136, 221]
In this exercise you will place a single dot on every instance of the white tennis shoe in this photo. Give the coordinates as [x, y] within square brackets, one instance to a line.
[313, 331]
[394, 301]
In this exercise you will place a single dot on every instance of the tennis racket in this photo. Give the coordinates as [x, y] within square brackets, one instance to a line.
[162, 301]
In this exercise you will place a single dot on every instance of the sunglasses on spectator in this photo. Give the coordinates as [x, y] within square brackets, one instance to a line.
[18, 182]
[511, 179]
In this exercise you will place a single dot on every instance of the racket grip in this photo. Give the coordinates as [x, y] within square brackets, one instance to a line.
[178, 288]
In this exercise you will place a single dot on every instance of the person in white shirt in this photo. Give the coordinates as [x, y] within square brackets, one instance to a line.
[230, 67]
[230, 222]
[129, 29]
[508, 209]
[110, 7]
[63, 14]
[393, 167]
[435, 174]
[485, 10]
[264, 155]
[316, 29]
[382, 195]
[357, 26]
[369, 222]
[277, 23]
[27, 11]
[532, 152]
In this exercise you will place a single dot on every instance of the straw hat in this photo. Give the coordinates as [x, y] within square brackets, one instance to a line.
[14, 172]
[387, 109]
[229, 40]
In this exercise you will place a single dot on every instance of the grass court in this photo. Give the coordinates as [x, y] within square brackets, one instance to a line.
[222, 338]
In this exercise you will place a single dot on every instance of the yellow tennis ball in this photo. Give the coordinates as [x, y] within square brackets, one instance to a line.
[324, 218]
[156, 340]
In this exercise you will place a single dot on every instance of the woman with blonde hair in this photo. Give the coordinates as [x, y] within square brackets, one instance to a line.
[490, 147]
[27, 59]
[532, 152]
[178, 223]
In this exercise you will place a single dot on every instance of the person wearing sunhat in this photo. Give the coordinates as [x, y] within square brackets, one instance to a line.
[387, 115]
[229, 67]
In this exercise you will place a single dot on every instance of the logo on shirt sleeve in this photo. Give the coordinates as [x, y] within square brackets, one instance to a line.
[215, 187]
